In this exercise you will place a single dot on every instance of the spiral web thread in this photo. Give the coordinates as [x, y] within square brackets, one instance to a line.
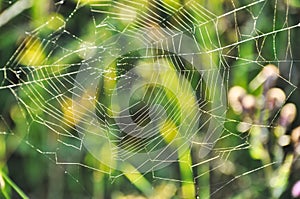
[44, 85]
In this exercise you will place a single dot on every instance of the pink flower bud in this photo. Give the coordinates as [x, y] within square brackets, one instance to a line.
[275, 98]
[296, 190]
[235, 96]
[287, 114]
[295, 135]
[267, 76]
[249, 102]
[270, 71]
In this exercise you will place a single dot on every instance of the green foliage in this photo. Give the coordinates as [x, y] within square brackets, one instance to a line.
[256, 155]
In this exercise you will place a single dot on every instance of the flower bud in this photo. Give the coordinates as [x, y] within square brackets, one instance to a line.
[268, 76]
[284, 140]
[297, 149]
[235, 95]
[295, 135]
[249, 102]
[287, 114]
[270, 71]
[275, 98]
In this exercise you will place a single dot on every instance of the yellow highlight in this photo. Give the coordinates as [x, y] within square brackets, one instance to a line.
[257, 150]
[33, 53]
[188, 190]
[181, 87]
[185, 163]
[107, 161]
[92, 1]
[55, 21]
[175, 4]
[51, 22]
[110, 80]
[169, 131]
[71, 115]
[86, 1]
[138, 179]
[68, 113]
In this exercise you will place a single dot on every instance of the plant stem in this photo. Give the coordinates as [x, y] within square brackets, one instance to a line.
[13, 185]
[14, 11]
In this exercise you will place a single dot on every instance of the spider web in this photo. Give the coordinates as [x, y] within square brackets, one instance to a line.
[145, 84]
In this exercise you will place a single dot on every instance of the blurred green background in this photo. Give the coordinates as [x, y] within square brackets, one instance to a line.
[44, 42]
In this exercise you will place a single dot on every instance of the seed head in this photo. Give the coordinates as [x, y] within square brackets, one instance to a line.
[284, 140]
[270, 71]
[287, 114]
[249, 102]
[295, 135]
[235, 96]
[267, 76]
[275, 98]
